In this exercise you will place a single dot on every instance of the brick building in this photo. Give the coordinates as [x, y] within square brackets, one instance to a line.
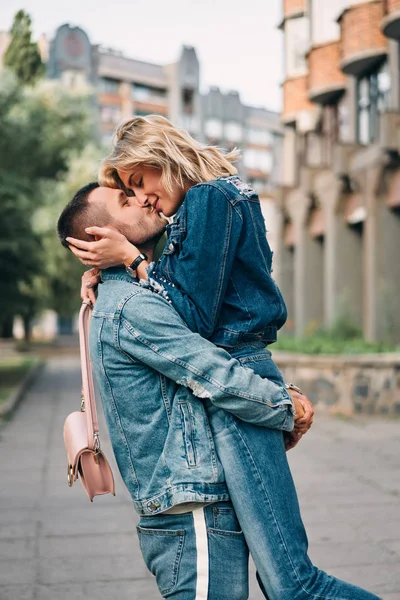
[339, 193]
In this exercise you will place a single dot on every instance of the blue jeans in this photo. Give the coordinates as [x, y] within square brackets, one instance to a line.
[197, 555]
[265, 500]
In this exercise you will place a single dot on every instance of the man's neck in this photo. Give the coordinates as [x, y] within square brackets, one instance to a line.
[148, 250]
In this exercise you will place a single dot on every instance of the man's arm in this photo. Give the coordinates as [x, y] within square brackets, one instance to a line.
[151, 331]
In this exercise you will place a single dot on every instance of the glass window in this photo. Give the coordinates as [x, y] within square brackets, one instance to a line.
[373, 92]
[109, 86]
[260, 160]
[233, 131]
[110, 114]
[213, 129]
[146, 93]
[260, 136]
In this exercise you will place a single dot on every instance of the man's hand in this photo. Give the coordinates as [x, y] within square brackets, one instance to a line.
[110, 249]
[90, 281]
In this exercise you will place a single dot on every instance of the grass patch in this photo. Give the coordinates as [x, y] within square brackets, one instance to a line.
[12, 371]
[324, 344]
[342, 338]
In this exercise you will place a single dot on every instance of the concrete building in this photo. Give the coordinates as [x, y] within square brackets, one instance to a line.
[339, 193]
[125, 86]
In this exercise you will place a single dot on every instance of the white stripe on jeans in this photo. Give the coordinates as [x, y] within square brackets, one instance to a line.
[200, 529]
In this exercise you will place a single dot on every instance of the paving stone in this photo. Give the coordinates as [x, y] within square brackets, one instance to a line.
[16, 592]
[14, 571]
[101, 568]
[17, 548]
[138, 589]
[88, 545]
[347, 475]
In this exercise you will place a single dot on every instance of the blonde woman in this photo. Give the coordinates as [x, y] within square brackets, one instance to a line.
[216, 271]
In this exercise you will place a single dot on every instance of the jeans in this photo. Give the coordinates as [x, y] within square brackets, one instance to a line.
[197, 555]
[265, 500]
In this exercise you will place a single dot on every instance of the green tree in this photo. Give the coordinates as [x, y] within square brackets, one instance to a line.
[40, 127]
[63, 271]
[22, 55]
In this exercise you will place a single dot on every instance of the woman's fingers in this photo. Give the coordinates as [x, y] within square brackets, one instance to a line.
[90, 280]
[79, 243]
[100, 231]
[83, 254]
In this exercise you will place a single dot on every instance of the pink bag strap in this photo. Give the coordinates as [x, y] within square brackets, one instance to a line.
[87, 378]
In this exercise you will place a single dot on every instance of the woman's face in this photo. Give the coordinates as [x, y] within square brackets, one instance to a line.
[145, 182]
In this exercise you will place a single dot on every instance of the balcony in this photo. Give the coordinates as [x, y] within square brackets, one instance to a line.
[390, 24]
[295, 99]
[326, 82]
[363, 45]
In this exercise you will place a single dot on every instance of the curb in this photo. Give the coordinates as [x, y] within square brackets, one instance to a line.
[11, 404]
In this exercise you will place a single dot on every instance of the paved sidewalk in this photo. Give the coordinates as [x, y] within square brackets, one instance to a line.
[56, 545]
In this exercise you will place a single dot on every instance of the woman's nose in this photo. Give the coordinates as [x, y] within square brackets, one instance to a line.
[141, 198]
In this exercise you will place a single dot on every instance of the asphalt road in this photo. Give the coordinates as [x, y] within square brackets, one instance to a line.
[56, 545]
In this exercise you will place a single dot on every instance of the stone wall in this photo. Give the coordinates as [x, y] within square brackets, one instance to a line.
[348, 385]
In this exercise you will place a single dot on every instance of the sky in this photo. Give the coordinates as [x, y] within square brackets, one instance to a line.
[237, 41]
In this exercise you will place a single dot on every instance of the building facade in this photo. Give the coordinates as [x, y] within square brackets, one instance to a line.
[339, 192]
[125, 87]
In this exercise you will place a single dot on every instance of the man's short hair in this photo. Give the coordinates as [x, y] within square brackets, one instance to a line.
[77, 215]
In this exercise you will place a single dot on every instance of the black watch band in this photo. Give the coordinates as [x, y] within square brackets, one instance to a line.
[132, 268]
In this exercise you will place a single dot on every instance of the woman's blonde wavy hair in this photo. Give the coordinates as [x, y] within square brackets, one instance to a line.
[153, 141]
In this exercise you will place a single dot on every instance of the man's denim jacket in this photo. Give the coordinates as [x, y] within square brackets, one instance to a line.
[152, 373]
[216, 266]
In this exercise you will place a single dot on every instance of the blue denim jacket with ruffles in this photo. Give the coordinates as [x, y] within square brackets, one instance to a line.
[216, 266]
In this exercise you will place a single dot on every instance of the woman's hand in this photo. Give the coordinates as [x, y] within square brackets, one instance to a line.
[90, 281]
[291, 439]
[110, 249]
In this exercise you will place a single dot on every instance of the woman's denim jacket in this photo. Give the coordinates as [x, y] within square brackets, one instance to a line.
[153, 374]
[216, 266]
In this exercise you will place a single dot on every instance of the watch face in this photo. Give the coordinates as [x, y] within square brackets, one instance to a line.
[131, 272]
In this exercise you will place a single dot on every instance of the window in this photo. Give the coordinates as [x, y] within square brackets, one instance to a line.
[372, 100]
[109, 86]
[188, 101]
[263, 137]
[259, 160]
[110, 114]
[213, 129]
[297, 43]
[233, 132]
[146, 93]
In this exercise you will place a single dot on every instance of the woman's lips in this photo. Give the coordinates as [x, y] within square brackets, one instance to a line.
[156, 206]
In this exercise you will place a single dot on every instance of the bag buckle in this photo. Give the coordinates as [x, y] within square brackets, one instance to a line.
[70, 475]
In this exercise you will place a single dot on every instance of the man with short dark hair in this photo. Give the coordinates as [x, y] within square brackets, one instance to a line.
[170, 398]
[155, 377]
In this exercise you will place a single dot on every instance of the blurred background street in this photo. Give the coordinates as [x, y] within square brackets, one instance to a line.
[309, 91]
[56, 545]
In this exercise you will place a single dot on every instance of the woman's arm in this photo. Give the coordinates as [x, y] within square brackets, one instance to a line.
[201, 270]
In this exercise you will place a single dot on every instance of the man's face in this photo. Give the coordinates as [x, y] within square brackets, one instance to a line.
[137, 223]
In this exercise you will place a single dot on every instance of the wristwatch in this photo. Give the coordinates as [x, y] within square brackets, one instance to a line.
[132, 268]
[291, 386]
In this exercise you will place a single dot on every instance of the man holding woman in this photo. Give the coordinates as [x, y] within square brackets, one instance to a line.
[216, 272]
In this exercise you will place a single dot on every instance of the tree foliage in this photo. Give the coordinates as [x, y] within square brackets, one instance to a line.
[41, 126]
[63, 271]
[22, 55]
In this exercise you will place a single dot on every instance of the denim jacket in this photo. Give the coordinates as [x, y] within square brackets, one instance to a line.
[153, 375]
[216, 266]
